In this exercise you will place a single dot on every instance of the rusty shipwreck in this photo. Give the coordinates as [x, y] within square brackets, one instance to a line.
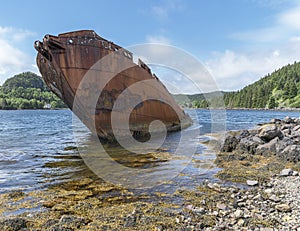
[90, 74]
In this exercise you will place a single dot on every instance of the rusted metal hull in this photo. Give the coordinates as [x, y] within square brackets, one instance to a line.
[78, 65]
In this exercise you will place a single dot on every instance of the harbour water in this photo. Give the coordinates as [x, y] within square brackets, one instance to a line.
[38, 148]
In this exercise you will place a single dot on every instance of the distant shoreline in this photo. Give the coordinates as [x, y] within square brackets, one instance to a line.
[235, 109]
[250, 109]
[35, 109]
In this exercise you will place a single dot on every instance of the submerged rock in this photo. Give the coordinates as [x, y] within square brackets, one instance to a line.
[14, 224]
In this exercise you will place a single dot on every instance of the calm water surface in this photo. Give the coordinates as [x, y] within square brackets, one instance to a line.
[36, 147]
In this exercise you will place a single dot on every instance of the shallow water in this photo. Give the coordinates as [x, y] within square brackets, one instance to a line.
[36, 148]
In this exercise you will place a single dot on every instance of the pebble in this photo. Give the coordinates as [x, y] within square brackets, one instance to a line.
[238, 213]
[283, 208]
[295, 173]
[252, 182]
[286, 172]
[221, 206]
[274, 198]
[268, 190]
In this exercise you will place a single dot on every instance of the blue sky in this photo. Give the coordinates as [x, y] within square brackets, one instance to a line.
[238, 41]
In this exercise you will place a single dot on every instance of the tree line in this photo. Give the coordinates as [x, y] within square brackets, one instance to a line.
[27, 91]
[281, 89]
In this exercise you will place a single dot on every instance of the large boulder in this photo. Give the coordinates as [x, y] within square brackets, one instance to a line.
[269, 148]
[275, 120]
[229, 144]
[283, 143]
[288, 120]
[268, 132]
[243, 134]
[291, 153]
[249, 144]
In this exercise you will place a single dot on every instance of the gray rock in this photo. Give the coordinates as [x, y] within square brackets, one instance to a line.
[247, 145]
[199, 210]
[214, 186]
[130, 221]
[243, 134]
[286, 172]
[296, 128]
[252, 182]
[275, 120]
[221, 206]
[229, 144]
[268, 191]
[73, 221]
[269, 131]
[274, 198]
[295, 133]
[238, 213]
[287, 126]
[291, 153]
[282, 144]
[288, 120]
[269, 148]
[240, 222]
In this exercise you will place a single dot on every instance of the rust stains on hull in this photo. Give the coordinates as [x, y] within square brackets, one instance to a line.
[78, 65]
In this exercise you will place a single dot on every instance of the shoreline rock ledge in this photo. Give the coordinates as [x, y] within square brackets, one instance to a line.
[277, 137]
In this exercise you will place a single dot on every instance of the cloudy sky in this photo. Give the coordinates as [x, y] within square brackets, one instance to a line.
[237, 41]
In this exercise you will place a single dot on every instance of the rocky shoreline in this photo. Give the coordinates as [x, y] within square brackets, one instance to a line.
[278, 137]
[265, 162]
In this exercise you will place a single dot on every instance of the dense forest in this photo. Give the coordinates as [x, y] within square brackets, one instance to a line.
[27, 91]
[281, 89]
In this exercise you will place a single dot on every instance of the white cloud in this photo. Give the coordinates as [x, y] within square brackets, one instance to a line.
[157, 39]
[233, 70]
[180, 71]
[272, 47]
[162, 12]
[12, 59]
[15, 35]
[290, 18]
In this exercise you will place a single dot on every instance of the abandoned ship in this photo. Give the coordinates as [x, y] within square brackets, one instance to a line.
[79, 66]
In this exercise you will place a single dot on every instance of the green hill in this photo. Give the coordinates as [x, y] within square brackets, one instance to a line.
[25, 80]
[281, 89]
[27, 91]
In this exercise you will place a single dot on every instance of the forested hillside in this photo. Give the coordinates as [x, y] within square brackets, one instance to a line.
[281, 89]
[27, 91]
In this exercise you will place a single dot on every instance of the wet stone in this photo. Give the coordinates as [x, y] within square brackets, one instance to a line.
[16, 194]
[14, 224]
